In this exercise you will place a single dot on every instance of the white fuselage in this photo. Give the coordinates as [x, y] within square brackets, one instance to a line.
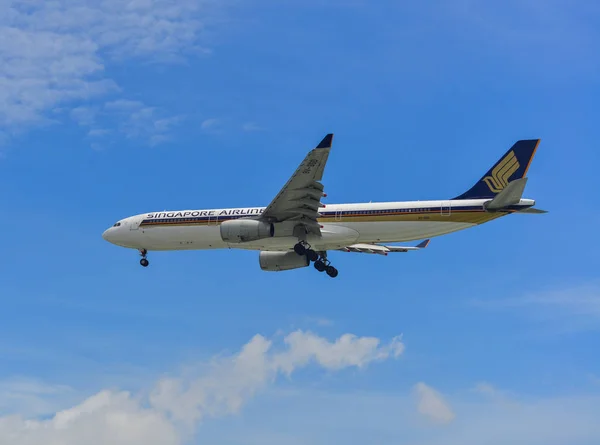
[342, 225]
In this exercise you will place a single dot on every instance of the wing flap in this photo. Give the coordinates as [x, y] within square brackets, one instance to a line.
[367, 248]
[304, 211]
[381, 249]
[312, 204]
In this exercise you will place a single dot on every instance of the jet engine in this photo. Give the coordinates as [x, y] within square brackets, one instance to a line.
[278, 261]
[244, 230]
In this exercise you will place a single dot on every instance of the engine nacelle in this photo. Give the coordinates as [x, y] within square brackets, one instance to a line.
[244, 230]
[278, 261]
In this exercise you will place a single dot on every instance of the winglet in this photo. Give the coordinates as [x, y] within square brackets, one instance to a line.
[423, 244]
[326, 142]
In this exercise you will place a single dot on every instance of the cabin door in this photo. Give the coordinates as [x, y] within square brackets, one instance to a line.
[446, 210]
[213, 219]
[135, 224]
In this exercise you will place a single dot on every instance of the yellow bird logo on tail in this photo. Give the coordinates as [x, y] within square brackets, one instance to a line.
[502, 172]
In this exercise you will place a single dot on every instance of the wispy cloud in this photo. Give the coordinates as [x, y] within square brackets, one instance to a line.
[133, 119]
[431, 404]
[570, 308]
[53, 54]
[557, 33]
[143, 122]
[358, 417]
[251, 126]
[31, 397]
[210, 125]
[486, 389]
[594, 379]
[492, 393]
[540, 420]
[168, 412]
[83, 116]
[319, 321]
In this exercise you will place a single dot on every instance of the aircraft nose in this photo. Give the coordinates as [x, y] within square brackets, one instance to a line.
[106, 234]
[117, 235]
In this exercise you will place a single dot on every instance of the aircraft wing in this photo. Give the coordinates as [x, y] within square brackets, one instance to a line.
[300, 198]
[383, 250]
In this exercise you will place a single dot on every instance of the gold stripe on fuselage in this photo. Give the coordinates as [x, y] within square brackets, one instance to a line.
[466, 216]
[457, 216]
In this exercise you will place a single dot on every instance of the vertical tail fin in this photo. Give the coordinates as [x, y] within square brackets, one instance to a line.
[513, 165]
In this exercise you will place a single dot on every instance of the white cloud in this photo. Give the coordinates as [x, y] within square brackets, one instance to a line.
[348, 350]
[53, 53]
[432, 405]
[170, 410]
[114, 418]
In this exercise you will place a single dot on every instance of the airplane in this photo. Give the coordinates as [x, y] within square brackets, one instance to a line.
[297, 229]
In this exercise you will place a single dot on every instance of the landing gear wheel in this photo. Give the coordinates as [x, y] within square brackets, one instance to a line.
[144, 262]
[312, 255]
[300, 249]
[332, 271]
[320, 265]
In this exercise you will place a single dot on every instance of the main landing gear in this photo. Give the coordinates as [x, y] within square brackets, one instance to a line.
[321, 263]
[144, 261]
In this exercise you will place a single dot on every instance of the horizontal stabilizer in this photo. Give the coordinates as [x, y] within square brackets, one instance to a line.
[383, 250]
[533, 211]
[510, 195]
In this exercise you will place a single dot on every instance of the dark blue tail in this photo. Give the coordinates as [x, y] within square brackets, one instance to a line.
[513, 165]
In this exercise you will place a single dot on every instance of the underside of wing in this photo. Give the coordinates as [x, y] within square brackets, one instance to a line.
[381, 249]
[300, 198]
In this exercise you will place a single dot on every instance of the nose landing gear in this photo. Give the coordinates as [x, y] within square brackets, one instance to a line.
[144, 261]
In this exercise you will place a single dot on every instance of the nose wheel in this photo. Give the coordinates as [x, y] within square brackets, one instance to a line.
[321, 263]
[144, 261]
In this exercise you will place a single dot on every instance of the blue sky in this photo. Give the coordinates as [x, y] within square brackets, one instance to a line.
[117, 108]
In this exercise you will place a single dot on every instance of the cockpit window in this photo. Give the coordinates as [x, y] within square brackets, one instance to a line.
[117, 224]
